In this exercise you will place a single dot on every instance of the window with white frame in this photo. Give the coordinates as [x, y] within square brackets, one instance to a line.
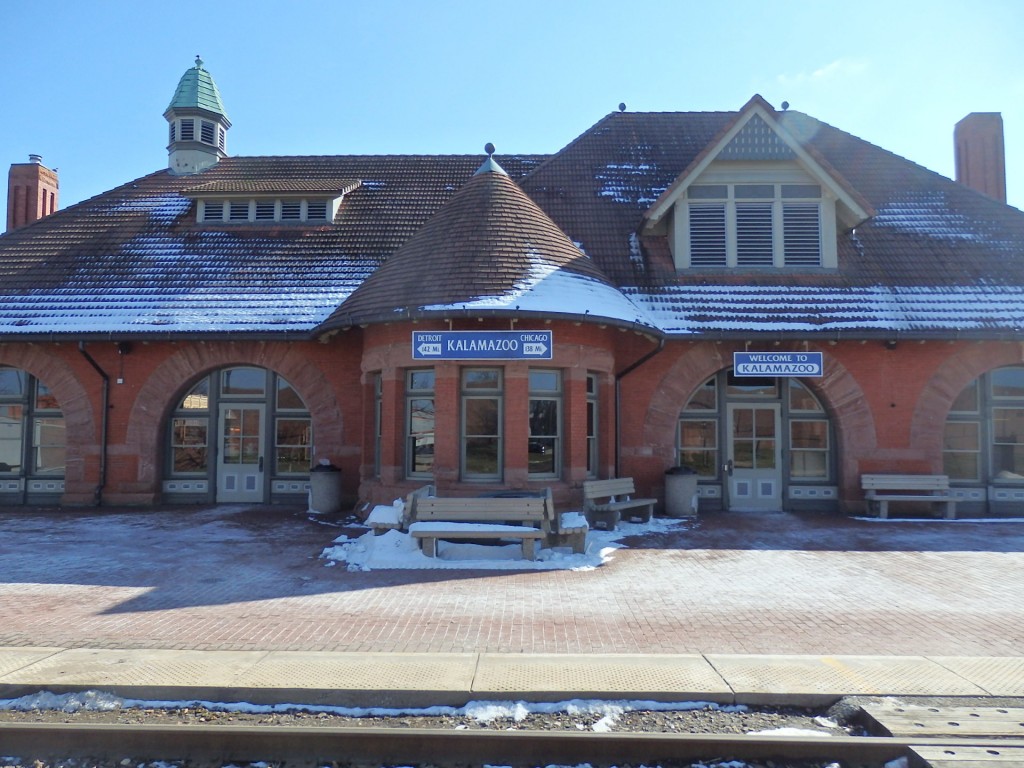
[754, 225]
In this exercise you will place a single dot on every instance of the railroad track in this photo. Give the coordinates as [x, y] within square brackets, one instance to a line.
[308, 745]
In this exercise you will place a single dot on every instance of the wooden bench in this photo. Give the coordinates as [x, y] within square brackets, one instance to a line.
[384, 518]
[606, 502]
[491, 517]
[879, 490]
[429, 533]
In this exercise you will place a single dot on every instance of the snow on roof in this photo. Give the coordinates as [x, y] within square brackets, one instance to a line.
[551, 291]
[695, 309]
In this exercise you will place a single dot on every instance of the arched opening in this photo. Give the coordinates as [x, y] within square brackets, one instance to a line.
[33, 440]
[239, 434]
[758, 444]
[983, 441]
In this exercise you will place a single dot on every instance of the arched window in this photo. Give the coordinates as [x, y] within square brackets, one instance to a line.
[758, 442]
[983, 440]
[33, 441]
[239, 434]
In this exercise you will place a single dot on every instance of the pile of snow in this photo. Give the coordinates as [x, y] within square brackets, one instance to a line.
[481, 711]
[400, 551]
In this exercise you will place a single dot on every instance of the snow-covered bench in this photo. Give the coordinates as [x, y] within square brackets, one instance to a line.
[527, 518]
[393, 517]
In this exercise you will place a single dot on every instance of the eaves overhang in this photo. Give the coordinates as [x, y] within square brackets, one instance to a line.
[453, 313]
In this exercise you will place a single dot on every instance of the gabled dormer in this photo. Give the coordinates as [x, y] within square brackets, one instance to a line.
[756, 198]
[197, 123]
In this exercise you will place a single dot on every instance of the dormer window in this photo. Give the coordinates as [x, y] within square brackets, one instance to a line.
[213, 210]
[316, 210]
[265, 210]
[291, 210]
[238, 210]
[738, 225]
[241, 210]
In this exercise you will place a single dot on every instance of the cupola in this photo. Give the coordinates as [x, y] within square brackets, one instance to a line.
[198, 124]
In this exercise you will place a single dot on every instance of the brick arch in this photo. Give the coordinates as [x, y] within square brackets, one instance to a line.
[78, 409]
[961, 368]
[170, 380]
[837, 390]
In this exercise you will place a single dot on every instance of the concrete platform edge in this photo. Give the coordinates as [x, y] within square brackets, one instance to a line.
[409, 680]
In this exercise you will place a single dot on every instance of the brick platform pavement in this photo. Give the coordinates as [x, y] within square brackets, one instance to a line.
[229, 578]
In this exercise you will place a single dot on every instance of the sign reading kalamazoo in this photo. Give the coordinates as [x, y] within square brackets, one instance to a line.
[482, 345]
[776, 363]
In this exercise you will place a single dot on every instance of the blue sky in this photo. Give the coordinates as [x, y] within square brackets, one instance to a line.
[85, 83]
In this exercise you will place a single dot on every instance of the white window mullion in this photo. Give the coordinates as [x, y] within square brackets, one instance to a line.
[779, 242]
[730, 234]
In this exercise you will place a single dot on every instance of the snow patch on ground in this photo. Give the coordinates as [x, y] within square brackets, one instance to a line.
[400, 551]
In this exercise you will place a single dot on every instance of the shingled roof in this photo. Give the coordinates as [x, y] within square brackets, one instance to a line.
[134, 262]
[489, 250]
[934, 258]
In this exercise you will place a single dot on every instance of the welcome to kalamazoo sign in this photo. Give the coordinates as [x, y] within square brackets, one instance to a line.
[777, 363]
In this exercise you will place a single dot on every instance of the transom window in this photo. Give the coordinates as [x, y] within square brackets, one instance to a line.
[754, 225]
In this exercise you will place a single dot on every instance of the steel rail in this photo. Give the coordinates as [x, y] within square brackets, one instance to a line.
[410, 746]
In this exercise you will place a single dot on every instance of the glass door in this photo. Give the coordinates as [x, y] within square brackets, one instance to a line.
[240, 458]
[754, 461]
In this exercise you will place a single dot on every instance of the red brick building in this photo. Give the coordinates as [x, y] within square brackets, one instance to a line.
[755, 294]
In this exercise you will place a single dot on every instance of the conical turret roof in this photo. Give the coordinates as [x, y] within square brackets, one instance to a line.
[490, 250]
[196, 90]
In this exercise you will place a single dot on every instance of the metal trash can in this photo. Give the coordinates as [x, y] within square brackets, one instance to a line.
[325, 489]
[680, 492]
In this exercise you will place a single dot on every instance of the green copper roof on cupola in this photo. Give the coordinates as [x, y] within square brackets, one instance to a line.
[196, 90]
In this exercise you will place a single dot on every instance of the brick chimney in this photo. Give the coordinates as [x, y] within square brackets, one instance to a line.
[32, 191]
[980, 159]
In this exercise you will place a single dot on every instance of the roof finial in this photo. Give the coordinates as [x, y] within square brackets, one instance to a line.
[622, 106]
[785, 106]
[199, 62]
[490, 164]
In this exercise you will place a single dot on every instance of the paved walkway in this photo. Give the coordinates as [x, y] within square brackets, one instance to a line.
[429, 679]
[239, 579]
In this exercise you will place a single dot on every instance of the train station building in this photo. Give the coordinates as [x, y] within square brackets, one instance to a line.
[764, 298]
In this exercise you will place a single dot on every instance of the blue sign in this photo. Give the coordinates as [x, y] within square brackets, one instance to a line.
[776, 363]
[482, 345]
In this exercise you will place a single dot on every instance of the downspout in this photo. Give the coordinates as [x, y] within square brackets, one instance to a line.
[104, 405]
[618, 397]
